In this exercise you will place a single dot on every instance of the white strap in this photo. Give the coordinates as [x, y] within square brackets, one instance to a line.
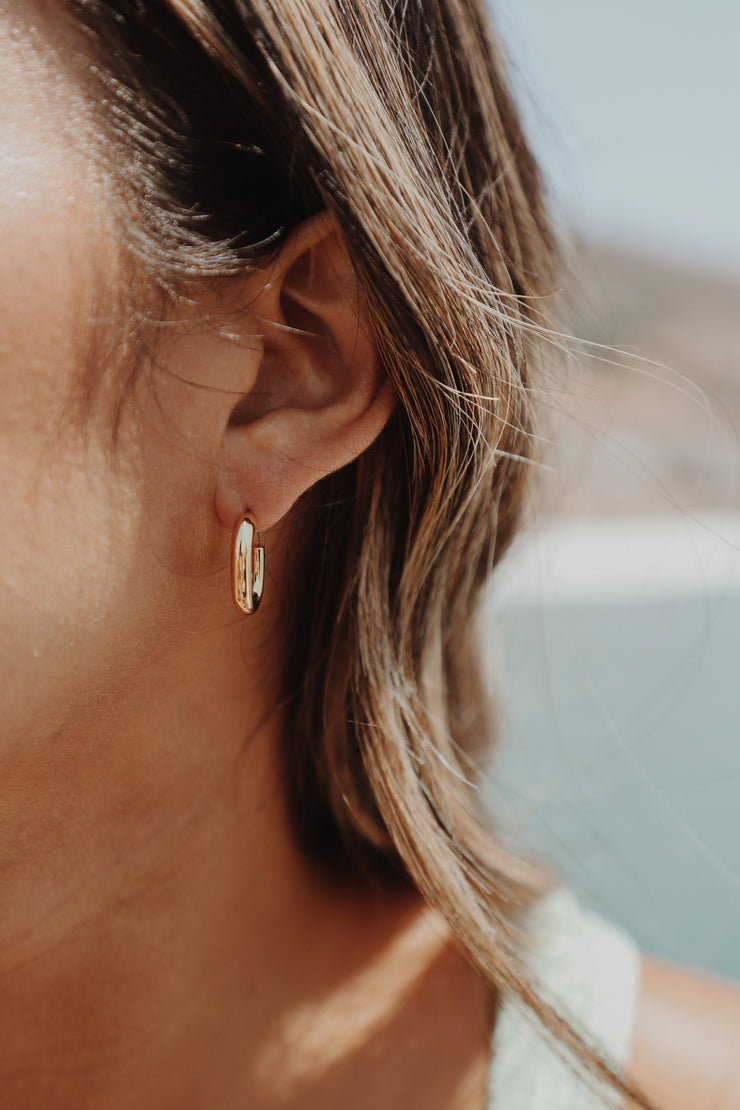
[590, 970]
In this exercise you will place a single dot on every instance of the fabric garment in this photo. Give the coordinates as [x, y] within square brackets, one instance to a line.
[590, 970]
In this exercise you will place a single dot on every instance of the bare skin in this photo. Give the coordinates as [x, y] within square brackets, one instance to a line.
[687, 1032]
[163, 942]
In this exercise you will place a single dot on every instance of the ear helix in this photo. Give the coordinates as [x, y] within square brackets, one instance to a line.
[247, 566]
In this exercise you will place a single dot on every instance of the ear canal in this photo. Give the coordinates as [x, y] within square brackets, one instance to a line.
[247, 567]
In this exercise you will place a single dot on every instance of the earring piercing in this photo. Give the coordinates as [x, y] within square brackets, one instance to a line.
[247, 566]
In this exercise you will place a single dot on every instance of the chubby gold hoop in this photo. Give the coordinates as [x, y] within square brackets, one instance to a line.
[247, 566]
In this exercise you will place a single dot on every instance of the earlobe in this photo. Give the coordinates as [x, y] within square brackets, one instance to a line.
[320, 397]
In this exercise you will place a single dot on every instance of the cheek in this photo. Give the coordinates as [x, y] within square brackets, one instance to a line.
[69, 520]
[102, 554]
[103, 560]
[92, 571]
[68, 532]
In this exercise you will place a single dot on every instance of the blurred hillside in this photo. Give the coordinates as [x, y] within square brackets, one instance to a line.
[655, 426]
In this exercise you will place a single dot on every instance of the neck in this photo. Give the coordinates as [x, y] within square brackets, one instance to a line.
[157, 923]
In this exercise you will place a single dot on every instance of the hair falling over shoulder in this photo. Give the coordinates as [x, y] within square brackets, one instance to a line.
[228, 122]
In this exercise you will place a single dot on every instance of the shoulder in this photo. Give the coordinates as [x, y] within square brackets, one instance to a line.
[674, 1030]
[686, 1033]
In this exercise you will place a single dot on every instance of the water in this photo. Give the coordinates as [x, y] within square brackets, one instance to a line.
[620, 752]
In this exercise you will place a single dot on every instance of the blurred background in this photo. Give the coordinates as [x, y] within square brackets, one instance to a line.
[613, 628]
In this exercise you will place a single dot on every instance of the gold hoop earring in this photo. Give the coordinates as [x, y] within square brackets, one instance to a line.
[247, 566]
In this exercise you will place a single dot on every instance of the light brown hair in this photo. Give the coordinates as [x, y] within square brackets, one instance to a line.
[231, 121]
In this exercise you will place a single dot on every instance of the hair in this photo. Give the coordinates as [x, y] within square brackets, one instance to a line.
[227, 123]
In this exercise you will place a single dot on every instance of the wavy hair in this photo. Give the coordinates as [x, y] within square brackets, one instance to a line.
[227, 123]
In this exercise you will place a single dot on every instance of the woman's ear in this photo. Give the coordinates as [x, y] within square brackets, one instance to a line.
[319, 397]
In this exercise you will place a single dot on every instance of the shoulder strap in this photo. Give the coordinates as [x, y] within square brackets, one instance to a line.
[590, 970]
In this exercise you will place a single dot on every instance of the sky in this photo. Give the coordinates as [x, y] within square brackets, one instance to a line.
[633, 107]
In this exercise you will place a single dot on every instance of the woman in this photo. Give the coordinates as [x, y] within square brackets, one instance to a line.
[274, 276]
